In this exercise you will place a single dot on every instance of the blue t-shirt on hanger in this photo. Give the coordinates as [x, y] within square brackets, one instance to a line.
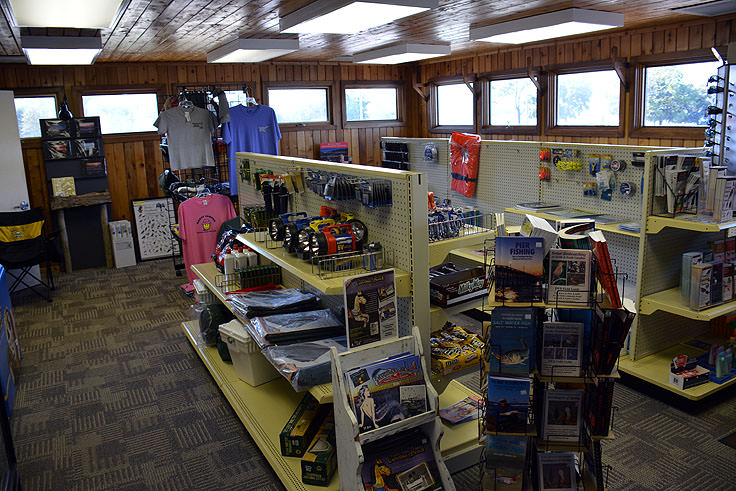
[251, 129]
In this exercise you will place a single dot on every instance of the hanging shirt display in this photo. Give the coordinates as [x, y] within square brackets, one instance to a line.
[189, 135]
[199, 220]
[251, 129]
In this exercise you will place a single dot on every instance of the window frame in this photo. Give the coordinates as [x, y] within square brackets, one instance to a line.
[551, 126]
[56, 92]
[159, 90]
[484, 109]
[333, 102]
[432, 115]
[636, 110]
[374, 84]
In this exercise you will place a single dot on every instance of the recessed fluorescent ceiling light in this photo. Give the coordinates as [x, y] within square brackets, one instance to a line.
[349, 17]
[709, 9]
[547, 26]
[61, 50]
[252, 50]
[83, 14]
[402, 53]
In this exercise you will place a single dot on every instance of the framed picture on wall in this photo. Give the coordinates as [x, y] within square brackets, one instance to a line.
[87, 127]
[56, 128]
[153, 219]
[57, 149]
[86, 147]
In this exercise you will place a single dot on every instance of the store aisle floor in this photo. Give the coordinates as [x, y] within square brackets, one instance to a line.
[112, 396]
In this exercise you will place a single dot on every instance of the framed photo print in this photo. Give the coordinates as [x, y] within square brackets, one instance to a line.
[94, 167]
[87, 127]
[86, 147]
[57, 149]
[56, 128]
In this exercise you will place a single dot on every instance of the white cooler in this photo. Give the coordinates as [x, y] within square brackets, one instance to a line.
[250, 364]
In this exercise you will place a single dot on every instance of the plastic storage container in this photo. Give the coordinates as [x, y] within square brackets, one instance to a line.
[250, 365]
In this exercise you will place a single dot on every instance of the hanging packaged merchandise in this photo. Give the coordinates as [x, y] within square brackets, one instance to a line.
[295, 326]
[306, 364]
[464, 156]
[262, 303]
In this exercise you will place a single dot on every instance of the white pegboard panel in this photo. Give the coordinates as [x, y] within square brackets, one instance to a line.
[565, 187]
[388, 225]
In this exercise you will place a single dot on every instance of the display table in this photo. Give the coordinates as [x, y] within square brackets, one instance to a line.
[265, 409]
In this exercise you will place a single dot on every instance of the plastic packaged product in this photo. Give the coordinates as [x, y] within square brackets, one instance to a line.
[296, 326]
[269, 302]
[307, 364]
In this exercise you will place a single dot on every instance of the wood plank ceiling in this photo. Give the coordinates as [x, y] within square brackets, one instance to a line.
[185, 30]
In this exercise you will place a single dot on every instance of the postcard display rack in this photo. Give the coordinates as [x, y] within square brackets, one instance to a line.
[349, 439]
[666, 325]
[73, 148]
[555, 441]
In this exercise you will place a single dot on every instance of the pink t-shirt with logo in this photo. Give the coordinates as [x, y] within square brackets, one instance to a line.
[199, 221]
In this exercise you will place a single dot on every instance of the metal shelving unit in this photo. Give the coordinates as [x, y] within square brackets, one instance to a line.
[666, 322]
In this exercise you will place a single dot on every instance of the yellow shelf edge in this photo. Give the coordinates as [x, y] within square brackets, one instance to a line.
[303, 269]
[656, 224]
[248, 404]
[654, 369]
[671, 301]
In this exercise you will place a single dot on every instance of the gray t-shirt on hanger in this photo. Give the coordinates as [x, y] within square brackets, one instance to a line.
[189, 135]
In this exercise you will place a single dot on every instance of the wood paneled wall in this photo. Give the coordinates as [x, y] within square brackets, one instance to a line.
[134, 161]
[661, 39]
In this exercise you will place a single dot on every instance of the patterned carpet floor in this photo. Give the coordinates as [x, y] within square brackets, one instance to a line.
[112, 396]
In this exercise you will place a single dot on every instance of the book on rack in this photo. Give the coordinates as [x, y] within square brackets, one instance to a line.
[557, 471]
[508, 404]
[539, 227]
[519, 269]
[569, 276]
[404, 461]
[561, 420]
[604, 270]
[689, 259]
[512, 347]
[500, 227]
[608, 336]
[387, 391]
[584, 223]
[723, 201]
[562, 346]
[575, 236]
[506, 461]
[598, 405]
[700, 283]
[462, 411]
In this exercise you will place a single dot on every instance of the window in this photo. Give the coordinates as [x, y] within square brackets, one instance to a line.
[371, 104]
[122, 113]
[300, 105]
[675, 95]
[513, 102]
[454, 105]
[588, 99]
[29, 110]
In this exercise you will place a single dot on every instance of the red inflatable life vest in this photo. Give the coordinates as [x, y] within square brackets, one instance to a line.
[464, 155]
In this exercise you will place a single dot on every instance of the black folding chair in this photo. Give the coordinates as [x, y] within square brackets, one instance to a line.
[24, 244]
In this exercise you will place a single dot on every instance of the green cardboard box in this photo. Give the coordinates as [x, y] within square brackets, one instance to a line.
[320, 460]
[301, 427]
